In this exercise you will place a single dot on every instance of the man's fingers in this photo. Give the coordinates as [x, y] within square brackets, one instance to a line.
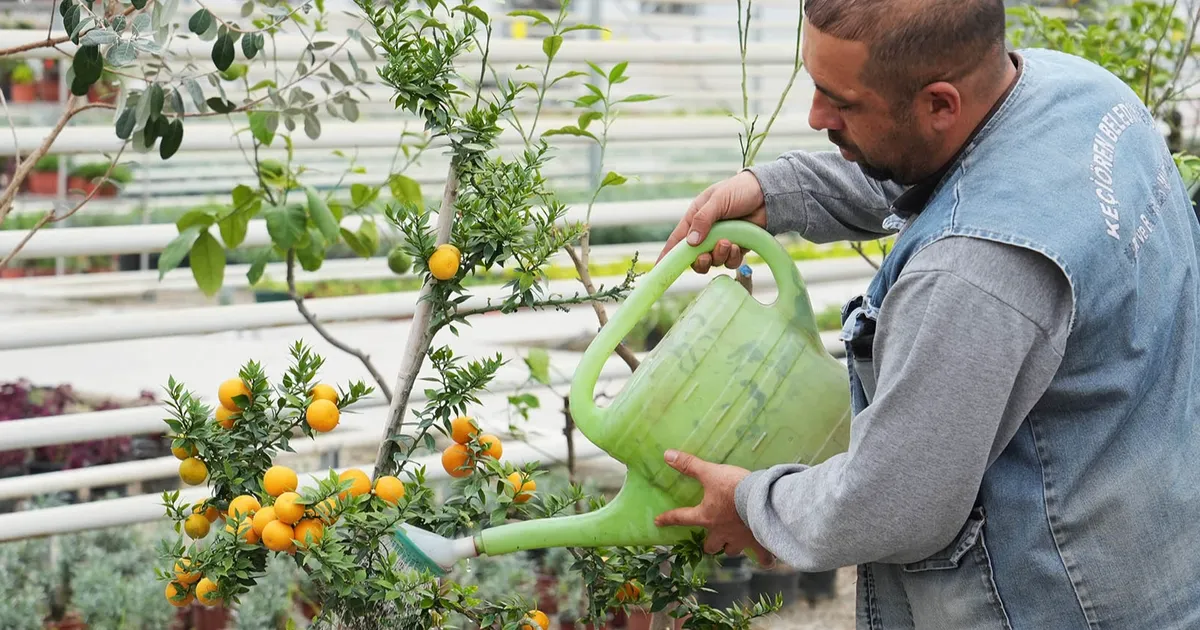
[721, 252]
[765, 558]
[685, 224]
[735, 257]
[685, 517]
[687, 464]
[712, 545]
[703, 263]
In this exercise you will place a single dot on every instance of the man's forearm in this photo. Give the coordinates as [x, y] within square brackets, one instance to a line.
[823, 197]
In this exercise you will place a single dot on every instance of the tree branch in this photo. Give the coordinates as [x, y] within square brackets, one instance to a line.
[585, 276]
[858, 248]
[312, 320]
[49, 42]
[420, 334]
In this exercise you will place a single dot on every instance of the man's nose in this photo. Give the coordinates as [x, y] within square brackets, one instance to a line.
[823, 116]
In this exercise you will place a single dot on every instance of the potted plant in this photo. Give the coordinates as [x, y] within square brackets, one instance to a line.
[89, 176]
[23, 85]
[727, 582]
[43, 179]
[814, 587]
[47, 88]
[105, 89]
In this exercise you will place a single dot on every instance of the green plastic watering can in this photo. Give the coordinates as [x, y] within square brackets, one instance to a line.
[733, 382]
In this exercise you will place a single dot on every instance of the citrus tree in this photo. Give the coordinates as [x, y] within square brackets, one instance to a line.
[497, 214]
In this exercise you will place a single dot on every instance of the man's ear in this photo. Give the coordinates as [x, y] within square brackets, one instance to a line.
[941, 104]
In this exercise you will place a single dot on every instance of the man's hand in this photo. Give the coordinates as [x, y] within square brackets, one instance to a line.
[739, 197]
[716, 513]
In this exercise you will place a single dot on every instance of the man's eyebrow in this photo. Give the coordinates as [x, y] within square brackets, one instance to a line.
[827, 92]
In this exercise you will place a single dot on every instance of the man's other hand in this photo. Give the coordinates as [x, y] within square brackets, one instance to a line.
[716, 513]
[739, 197]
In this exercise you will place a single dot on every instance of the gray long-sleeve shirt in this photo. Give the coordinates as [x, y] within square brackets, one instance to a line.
[967, 341]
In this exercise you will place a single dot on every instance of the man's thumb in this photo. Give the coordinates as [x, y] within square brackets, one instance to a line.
[708, 214]
[686, 463]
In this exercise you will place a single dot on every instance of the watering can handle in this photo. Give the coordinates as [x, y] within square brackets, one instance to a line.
[792, 300]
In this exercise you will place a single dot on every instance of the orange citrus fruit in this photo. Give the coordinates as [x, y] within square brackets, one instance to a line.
[277, 536]
[327, 510]
[280, 479]
[245, 530]
[211, 513]
[182, 452]
[389, 489]
[456, 459]
[462, 429]
[196, 526]
[229, 389]
[361, 483]
[322, 415]
[522, 491]
[308, 526]
[325, 392]
[491, 445]
[262, 517]
[288, 508]
[539, 618]
[244, 505]
[444, 262]
[629, 592]
[181, 572]
[226, 417]
[174, 589]
[192, 471]
[204, 592]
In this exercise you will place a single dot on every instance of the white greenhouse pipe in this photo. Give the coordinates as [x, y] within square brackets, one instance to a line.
[98, 425]
[58, 331]
[339, 135]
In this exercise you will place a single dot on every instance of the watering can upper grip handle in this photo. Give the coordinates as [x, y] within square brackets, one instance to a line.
[792, 300]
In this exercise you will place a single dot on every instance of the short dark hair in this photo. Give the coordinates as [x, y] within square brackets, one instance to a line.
[913, 43]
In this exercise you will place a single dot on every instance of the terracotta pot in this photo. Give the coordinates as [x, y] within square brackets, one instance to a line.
[545, 588]
[12, 272]
[42, 182]
[210, 618]
[48, 90]
[24, 93]
[638, 619]
[102, 94]
[76, 183]
[70, 621]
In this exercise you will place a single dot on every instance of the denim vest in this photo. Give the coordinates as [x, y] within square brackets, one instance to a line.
[1090, 517]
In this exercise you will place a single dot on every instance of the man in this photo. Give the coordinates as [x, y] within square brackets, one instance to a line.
[1024, 368]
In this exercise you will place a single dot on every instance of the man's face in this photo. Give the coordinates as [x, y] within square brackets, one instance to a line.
[885, 139]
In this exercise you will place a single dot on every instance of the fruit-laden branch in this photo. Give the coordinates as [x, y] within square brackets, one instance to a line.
[312, 320]
[420, 334]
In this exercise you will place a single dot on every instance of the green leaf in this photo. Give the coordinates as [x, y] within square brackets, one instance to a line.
[356, 244]
[361, 194]
[208, 263]
[120, 54]
[222, 52]
[474, 11]
[405, 189]
[568, 75]
[587, 100]
[220, 105]
[285, 224]
[172, 137]
[155, 95]
[98, 37]
[538, 361]
[176, 250]
[586, 118]
[583, 27]
[640, 98]
[538, 16]
[551, 46]
[200, 22]
[262, 84]
[139, 4]
[618, 72]
[254, 274]
[312, 126]
[249, 46]
[200, 217]
[312, 255]
[88, 65]
[570, 130]
[368, 234]
[321, 215]
[125, 124]
[613, 179]
[245, 206]
[263, 125]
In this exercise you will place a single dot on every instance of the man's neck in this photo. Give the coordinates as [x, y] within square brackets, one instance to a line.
[977, 113]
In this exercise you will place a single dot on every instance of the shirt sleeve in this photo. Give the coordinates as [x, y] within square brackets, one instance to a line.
[967, 341]
[824, 197]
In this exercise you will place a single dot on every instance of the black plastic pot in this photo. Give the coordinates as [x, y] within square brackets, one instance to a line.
[817, 586]
[771, 584]
[727, 586]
